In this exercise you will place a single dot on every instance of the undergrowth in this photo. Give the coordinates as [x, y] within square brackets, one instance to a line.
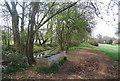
[15, 68]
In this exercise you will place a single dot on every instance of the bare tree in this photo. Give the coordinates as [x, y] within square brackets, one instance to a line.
[15, 22]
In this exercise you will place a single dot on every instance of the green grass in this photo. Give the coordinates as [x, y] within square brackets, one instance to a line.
[82, 45]
[47, 70]
[110, 50]
[62, 61]
[15, 68]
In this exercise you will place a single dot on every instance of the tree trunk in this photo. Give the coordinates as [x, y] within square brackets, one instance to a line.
[29, 52]
[15, 22]
[22, 30]
[30, 42]
[16, 33]
[8, 38]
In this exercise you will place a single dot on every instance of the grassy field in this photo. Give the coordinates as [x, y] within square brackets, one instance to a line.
[110, 50]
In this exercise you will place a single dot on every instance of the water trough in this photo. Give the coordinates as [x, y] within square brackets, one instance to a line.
[50, 59]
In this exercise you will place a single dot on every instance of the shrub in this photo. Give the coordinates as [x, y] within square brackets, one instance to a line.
[13, 62]
[13, 58]
[109, 41]
[17, 59]
[92, 42]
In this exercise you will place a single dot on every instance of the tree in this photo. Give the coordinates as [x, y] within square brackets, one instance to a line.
[22, 32]
[71, 27]
[32, 32]
[99, 38]
[118, 30]
[30, 40]
[32, 26]
[15, 22]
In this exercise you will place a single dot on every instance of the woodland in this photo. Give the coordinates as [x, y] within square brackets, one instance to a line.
[33, 29]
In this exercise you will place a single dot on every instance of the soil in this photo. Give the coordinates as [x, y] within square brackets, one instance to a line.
[81, 64]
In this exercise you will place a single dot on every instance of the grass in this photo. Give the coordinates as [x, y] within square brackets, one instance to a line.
[47, 70]
[108, 49]
[52, 69]
[62, 61]
[15, 68]
[82, 45]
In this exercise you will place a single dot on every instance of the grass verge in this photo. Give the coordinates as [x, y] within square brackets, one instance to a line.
[108, 49]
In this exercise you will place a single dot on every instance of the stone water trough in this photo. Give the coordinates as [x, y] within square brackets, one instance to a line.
[50, 59]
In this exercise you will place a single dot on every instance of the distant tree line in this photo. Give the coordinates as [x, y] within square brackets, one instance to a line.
[105, 39]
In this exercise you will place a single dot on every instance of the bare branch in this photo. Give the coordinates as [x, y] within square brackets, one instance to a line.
[20, 5]
[19, 17]
[8, 7]
[96, 9]
[47, 12]
[39, 25]
[8, 27]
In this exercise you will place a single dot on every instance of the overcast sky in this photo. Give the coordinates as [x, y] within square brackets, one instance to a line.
[103, 28]
[108, 26]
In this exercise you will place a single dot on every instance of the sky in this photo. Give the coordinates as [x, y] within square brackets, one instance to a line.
[107, 26]
[103, 28]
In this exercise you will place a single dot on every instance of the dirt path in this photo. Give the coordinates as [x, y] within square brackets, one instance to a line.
[81, 64]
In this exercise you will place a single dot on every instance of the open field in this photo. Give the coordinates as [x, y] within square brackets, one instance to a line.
[110, 50]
